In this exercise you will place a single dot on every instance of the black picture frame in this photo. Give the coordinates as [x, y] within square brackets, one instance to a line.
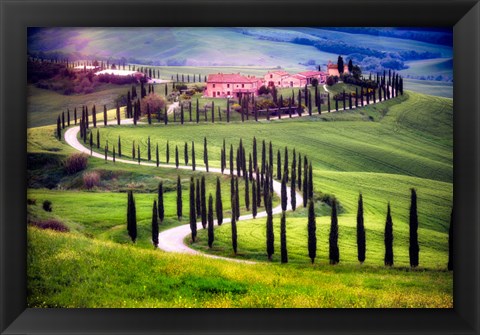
[16, 16]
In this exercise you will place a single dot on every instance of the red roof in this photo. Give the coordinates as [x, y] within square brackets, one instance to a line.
[229, 78]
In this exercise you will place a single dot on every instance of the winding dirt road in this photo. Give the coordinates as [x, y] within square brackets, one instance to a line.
[171, 240]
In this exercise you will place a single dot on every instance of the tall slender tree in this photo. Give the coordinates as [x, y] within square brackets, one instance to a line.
[204, 202]
[284, 198]
[157, 156]
[413, 225]
[283, 239]
[119, 147]
[198, 199]
[310, 181]
[131, 217]
[155, 225]
[361, 247]
[270, 234]
[247, 195]
[234, 226]
[185, 154]
[237, 199]
[334, 253]
[285, 167]
[388, 239]
[312, 232]
[293, 194]
[179, 198]
[218, 203]
[167, 153]
[149, 153]
[176, 157]
[205, 153]
[254, 199]
[211, 235]
[279, 165]
[193, 215]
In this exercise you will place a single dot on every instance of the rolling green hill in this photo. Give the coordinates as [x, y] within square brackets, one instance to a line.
[381, 150]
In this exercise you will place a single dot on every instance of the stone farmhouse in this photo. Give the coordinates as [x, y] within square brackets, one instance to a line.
[333, 69]
[223, 85]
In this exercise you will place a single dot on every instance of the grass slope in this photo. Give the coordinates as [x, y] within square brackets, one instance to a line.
[66, 270]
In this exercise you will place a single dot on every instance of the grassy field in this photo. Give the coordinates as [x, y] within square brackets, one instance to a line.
[382, 151]
[67, 270]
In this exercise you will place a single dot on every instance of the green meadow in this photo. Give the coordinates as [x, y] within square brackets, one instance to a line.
[381, 151]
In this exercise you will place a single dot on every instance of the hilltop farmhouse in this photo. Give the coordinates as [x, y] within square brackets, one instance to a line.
[223, 85]
[333, 69]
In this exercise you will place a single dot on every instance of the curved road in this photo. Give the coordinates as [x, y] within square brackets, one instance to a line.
[171, 240]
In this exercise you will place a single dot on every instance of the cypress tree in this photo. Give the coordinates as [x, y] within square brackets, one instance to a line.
[361, 248]
[133, 150]
[264, 157]
[270, 154]
[68, 117]
[254, 199]
[63, 120]
[119, 147]
[98, 138]
[205, 153]
[450, 244]
[190, 110]
[231, 160]
[259, 198]
[198, 201]
[283, 239]
[328, 100]
[185, 154]
[91, 142]
[285, 167]
[149, 153]
[284, 193]
[247, 195]
[224, 158]
[279, 165]
[293, 195]
[176, 157]
[75, 115]
[167, 154]
[218, 203]
[334, 253]
[312, 232]
[155, 225]
[182, 115]
[270, 235]
[131, 217]
[94, 117]
[161, 208]
[59, 129]
[157, 156]
[234, 226]
[203, 203]
[118, 114]
[193, 216]
[413, 225]
[193, 156]
[255, 164]
[250, 167]
[210, 221]
[388, 239]
[138, 153]
[305, 185]
[237, 199]
[165, 118]
[179, 198]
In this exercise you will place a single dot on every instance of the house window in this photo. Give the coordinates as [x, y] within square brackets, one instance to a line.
[214, 94]
[213, 85]
[271, 76]
[243, 85]
[218, 93]
[228, 93]
[228, 85]
[278, 83]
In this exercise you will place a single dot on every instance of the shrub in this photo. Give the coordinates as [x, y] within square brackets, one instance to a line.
[154, 101]
[50, 224]
[76, 163]
[47, 206]
[331, 80]
[91, 179]
[31, 202]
